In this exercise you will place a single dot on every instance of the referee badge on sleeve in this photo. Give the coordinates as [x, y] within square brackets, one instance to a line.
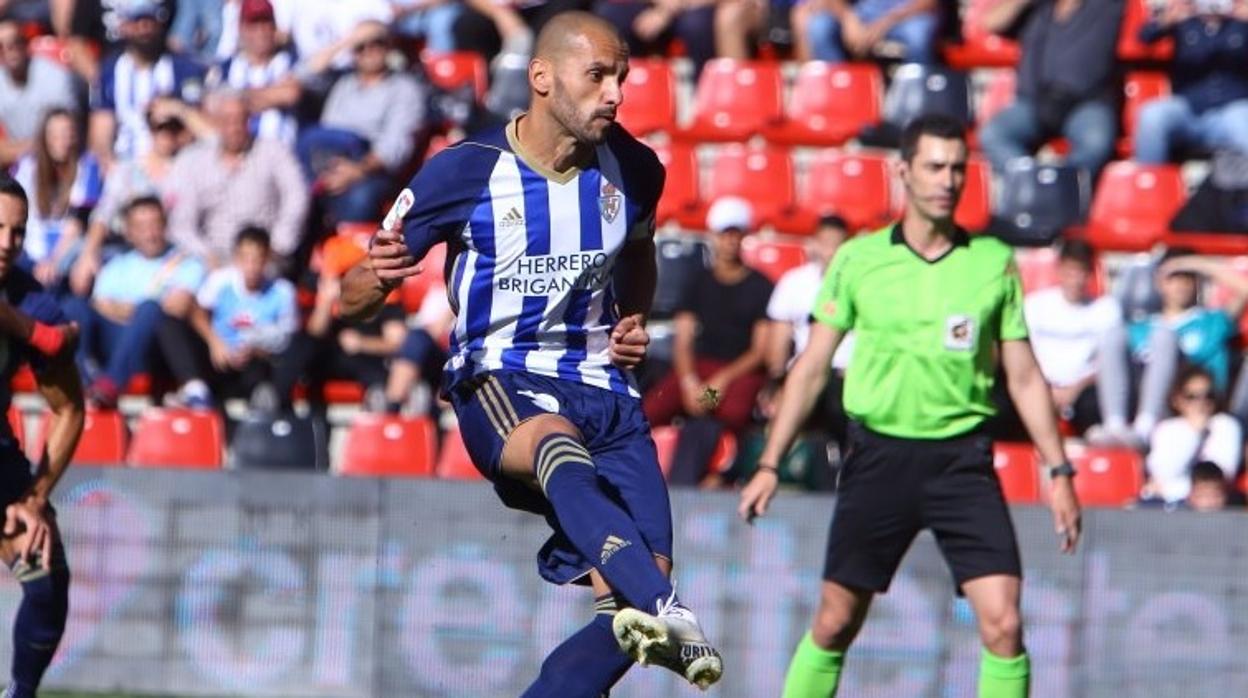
[959, 333]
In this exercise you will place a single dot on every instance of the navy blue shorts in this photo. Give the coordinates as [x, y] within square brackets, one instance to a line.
[615, 433]
[15, 475]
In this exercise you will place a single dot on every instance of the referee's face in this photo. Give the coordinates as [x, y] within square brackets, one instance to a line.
[934, 177]
[587, 84]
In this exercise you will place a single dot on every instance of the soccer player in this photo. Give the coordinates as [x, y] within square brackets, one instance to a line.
[31, 544]
[551, 269]
[932, 308]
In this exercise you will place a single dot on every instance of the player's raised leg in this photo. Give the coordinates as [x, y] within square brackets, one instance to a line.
[815, 671]
[1004, 668]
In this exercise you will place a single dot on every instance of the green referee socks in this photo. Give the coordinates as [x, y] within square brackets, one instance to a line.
[814, 672]
[1004, 678]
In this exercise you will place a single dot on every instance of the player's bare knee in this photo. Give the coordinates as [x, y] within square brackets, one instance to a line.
[520, 450]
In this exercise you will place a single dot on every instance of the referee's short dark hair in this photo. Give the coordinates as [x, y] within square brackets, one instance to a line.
[1077, 251]
[13, 188]
[937, 125]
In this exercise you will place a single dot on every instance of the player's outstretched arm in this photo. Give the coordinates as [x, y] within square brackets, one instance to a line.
[1034, 402]
[805, 382]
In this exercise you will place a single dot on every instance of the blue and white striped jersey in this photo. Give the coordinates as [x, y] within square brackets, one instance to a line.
[531, 253]
[125, 88]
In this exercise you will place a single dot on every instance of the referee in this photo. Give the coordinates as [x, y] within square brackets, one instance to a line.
[932, 308]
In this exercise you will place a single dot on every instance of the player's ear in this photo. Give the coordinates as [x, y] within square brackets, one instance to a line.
[541, 76]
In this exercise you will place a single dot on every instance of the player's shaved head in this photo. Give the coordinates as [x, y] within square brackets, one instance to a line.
[568, 30]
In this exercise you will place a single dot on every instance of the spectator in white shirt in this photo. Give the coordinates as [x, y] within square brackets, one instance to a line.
[1199, 432]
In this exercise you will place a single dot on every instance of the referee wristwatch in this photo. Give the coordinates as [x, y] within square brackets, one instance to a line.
[1062, 469]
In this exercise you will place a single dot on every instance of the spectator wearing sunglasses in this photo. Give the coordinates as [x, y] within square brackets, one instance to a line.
[1198, 432]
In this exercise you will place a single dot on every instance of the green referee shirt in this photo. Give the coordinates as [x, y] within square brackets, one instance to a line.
[927, 331]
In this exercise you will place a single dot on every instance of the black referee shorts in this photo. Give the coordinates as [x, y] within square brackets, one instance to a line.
[891, 488]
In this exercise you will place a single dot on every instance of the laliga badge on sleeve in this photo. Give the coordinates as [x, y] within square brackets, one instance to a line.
[401, 206]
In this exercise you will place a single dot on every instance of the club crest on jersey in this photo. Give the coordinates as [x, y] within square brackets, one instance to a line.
[609, 202]
[959, 333]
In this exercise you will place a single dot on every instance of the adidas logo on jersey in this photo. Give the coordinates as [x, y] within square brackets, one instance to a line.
[512, 219]
[611, 546]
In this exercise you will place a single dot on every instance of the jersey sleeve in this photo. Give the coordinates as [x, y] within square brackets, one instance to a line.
[1013, 319]
[644, 177]
[445, 192]
[834, 306]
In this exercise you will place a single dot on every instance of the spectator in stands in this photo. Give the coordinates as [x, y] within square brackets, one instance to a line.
[220, 185]
[328, 347]
[242, 319]
[30, 86]
[789, 311]
[231, 21]
[843, 30]
[196, 28]
[1209, 79]
[1072, 334]
[264, 72]
[130, 80]
[650, 26]
[1208, 490]
[1198, 432]
[133, 295]
[1067, 80]
[98, 28]
[422, 355]
[320, 25]
[489, 27]
[366, 135]
[431, 20]
[144, 175]
[719, 345]
[64, 182]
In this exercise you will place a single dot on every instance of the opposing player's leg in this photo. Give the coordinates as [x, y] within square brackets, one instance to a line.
[815, 670]
[40, 620]
[1004, 669]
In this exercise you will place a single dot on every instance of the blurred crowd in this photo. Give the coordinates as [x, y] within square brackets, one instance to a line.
[202, 172]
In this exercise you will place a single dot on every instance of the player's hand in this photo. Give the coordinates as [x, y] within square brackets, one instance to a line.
[757, 494]
[389, 257]
[1066, 517]
[26, 521]
[628, 343]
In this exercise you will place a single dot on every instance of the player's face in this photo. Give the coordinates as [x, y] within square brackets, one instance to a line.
[12, 231]
[1073, 278]
[934, 177]
[587, 85]
[145, 227]
[251, 258]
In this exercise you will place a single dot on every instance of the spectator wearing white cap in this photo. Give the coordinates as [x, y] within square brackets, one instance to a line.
[720, 344]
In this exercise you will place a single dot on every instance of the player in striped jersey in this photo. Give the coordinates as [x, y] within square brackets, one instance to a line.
[550, 225]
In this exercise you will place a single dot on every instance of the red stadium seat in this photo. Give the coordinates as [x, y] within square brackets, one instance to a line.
[1221, 244]
[1220, 296]
[680, 201]
[649, 97]
[772, 257]
[1038, 269]
[830, 103]
[1106, 477]
[453, 460]
[763, 176]
[1133, 205]
[665, 438]
[1139, 88]
[415, 288]
[388, 446]
[980, 48]
[178, 438]
[734, 100]
[1130, 48]
[52, 48]
[1018, 469]
[998, 95]
[975, 208]
[449, 71]
[104, 438]
[856, 187]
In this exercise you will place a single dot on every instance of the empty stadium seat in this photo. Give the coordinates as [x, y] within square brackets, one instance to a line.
[680, 261]
[453, 460]
[1107, 477]
[855, 186]
[178, 438]
[1038, 202]
[387, 445]
[829, 104]
[52, 48]
[1018, 470]
[449, 71]
[649, 97]
[763, 176]
[1134, 204]
[680, 201]
[283, 441]
[1139, 88]
[979, 47]
[1130, 48]
[772, 257]
[104, 438]
[921, 90]
[665, 438]
[734, 100]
